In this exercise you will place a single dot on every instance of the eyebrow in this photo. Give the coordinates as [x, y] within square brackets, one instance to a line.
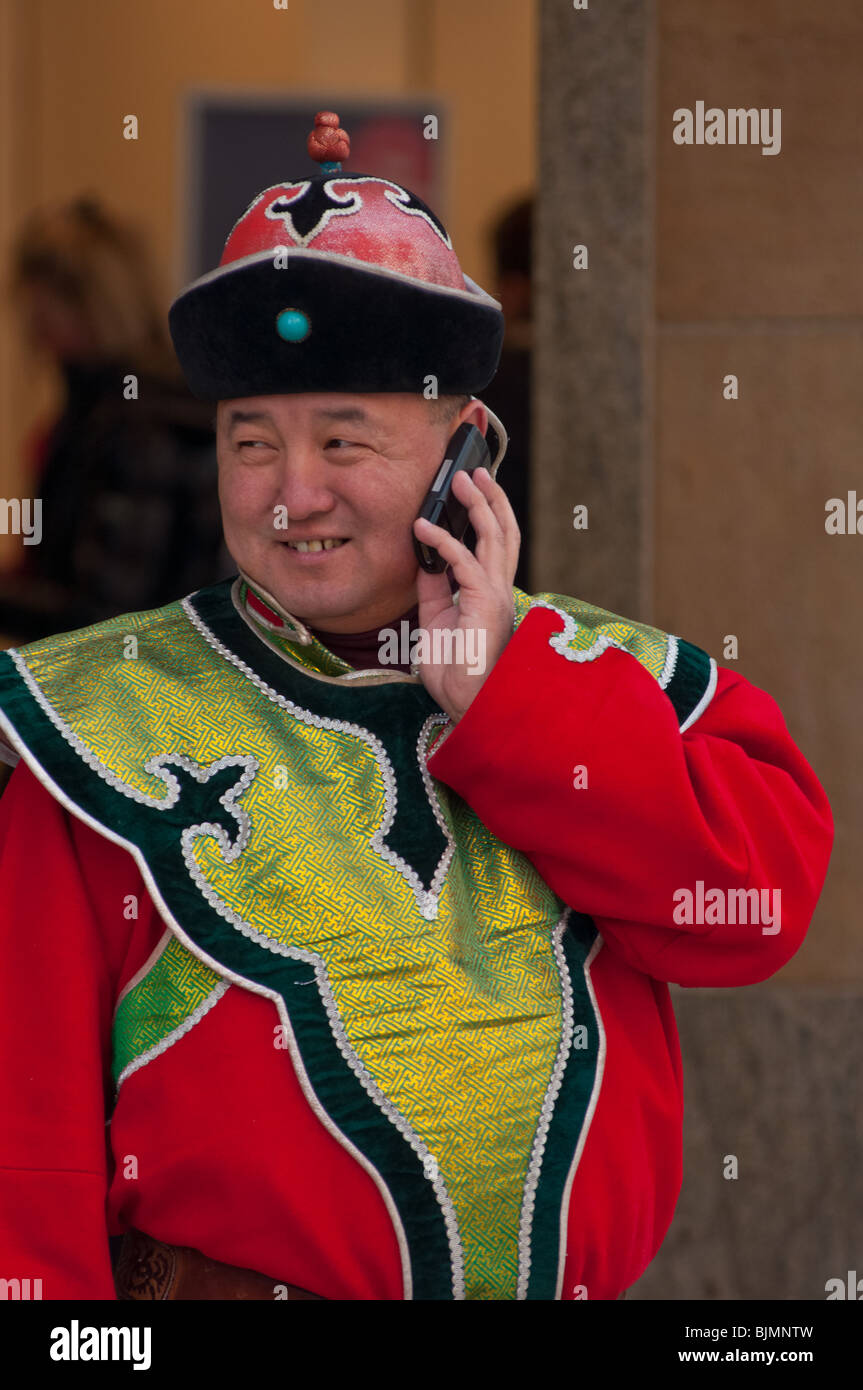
[345, 412]
[342, 412]
[247, 417]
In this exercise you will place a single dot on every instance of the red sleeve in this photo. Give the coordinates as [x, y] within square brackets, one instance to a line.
[731, 802]
[65, 948]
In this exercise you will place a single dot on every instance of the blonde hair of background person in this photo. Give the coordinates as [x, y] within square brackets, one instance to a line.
[83, 283]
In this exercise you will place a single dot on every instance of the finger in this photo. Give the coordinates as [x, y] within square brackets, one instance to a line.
[502, 508]
[480, 512]
[495, 544]
[496, 495]
[467, 569]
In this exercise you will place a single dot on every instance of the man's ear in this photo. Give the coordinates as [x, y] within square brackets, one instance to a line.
[473, 414]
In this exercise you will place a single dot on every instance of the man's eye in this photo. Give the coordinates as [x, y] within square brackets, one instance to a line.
[251, 443]
[348, 443]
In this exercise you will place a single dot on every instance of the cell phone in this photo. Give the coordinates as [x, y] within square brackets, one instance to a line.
[466, 450]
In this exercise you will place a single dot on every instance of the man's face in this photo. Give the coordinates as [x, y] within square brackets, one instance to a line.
[354, 468]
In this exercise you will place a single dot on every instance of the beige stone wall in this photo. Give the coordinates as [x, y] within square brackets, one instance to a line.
[759, 274]
[707, 515]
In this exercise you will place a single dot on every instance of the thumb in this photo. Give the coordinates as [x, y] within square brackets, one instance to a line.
[434, 595]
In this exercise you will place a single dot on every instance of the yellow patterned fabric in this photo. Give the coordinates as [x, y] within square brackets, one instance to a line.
[595, 630]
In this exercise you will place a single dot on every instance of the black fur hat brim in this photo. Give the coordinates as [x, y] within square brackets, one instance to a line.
[371, 330]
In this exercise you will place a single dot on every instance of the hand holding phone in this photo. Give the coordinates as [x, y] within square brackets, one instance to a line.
[466, 450]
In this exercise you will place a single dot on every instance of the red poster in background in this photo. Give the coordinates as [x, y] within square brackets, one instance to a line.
[394, 147]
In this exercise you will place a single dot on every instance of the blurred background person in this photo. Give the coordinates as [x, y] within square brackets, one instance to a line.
[508, 394]
[127, 472]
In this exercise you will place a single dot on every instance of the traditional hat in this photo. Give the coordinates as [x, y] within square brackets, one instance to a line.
[336, 282]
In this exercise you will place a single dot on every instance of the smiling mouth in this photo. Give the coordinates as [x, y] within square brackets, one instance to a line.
[304, 546]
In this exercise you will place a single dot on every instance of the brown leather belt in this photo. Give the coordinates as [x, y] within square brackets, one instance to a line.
[148, 1269]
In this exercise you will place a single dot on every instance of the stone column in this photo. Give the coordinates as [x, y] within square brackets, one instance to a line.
[593, 361]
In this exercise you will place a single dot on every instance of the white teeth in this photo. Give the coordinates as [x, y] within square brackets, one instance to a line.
[303, 546]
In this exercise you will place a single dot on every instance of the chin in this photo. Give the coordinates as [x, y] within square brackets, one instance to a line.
[314, 601]
[318, 601]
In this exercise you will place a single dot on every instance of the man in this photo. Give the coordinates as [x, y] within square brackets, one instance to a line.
[367, 967]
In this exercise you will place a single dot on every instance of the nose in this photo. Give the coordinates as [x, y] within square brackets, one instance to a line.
[304, 488]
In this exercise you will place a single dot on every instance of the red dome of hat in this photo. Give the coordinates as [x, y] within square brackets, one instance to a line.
[370, 219]
[368, 297]
[357, 215]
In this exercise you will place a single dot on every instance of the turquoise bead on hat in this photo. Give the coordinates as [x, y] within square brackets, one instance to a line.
[293, 325]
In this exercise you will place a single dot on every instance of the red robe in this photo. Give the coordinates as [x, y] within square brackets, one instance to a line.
[213, 1143]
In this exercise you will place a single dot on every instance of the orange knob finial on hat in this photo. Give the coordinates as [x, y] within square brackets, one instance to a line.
[328, 143]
